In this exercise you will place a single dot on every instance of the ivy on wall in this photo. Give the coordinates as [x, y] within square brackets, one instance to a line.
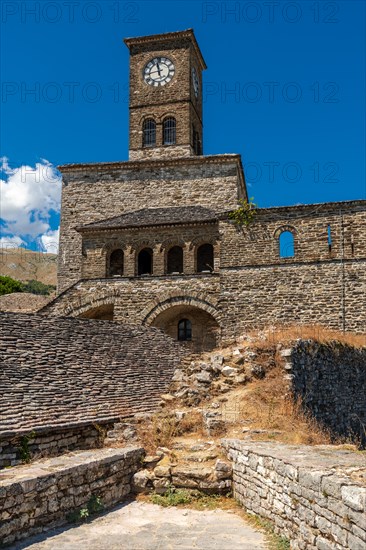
[244, 214]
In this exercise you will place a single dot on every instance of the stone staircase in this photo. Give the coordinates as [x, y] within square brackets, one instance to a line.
[196, 464]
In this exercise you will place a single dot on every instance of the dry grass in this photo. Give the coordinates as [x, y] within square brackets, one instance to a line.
[164, 427]
[285, 334]
[272, 410]
[191, 423]
[159, 432]
[261, 404]
[264, 406]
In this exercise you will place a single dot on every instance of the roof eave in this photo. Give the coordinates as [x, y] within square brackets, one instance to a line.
[86, 229]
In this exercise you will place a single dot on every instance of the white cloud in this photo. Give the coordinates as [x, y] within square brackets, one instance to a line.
[10, 242]
[27, 197]
[49, 241]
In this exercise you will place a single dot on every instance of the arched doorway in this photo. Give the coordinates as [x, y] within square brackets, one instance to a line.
[192, 326]
[145, 262]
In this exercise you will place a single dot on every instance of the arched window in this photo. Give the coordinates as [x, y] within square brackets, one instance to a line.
[286, 244]
[169, 131]
[115, 264]
[196, 141]
[329, 239]
[184, 330]
[205, 258]
[175, 260]
[145, 262]
[149, 133]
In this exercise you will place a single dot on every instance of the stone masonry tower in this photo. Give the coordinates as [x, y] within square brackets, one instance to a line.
[165, 96]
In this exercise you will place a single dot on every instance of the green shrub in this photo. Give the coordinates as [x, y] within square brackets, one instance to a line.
[9, 285]
[172, 497]
[23, 447]
[93, 506]
[37, 287]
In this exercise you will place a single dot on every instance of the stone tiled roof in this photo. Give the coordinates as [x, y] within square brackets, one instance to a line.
[58, 371]
[155, 216]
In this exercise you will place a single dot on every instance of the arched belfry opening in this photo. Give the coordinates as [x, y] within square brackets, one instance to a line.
[145, 262]
[115, 263]
[205, 258]
[175, 260]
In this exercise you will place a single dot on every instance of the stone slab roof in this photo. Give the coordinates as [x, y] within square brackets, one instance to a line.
[60, 371]
[154, 216]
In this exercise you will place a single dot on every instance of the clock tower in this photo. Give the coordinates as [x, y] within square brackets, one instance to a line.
[165, 96]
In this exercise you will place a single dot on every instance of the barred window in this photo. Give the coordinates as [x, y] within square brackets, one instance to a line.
[169, 131]
[149, 133]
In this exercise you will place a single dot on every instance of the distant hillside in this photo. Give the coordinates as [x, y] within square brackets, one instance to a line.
[23, 302]
[25, 265]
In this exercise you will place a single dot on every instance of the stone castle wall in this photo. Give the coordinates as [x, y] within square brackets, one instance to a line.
[318, 285]
[255, 286]
[57, 372]
[313, 496]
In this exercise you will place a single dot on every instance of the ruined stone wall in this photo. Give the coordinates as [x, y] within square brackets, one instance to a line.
[313, 495]
[59, 371]
[21, 446]
[40, 496]
[330, 379]
[96, 192]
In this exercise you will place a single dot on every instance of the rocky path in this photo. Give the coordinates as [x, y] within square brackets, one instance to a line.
[144, 526]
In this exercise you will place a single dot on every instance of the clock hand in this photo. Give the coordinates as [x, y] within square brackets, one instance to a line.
[157, 66]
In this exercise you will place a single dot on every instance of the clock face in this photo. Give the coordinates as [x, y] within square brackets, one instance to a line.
[196, 84]
[159, 71]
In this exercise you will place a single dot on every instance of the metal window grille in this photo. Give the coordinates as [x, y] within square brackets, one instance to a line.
[149, 133]
[169, 131]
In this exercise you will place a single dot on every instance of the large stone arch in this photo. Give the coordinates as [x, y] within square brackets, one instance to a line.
[203, 318]
[151, 312]
[83, 305]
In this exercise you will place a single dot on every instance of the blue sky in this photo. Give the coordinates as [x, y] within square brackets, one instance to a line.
[285, 88]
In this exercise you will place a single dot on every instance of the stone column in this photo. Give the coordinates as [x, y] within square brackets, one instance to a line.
[188, 258]
[129, 262]
[216, 249]
[158, 260]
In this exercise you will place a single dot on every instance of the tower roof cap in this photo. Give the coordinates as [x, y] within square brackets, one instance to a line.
[167, 37]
